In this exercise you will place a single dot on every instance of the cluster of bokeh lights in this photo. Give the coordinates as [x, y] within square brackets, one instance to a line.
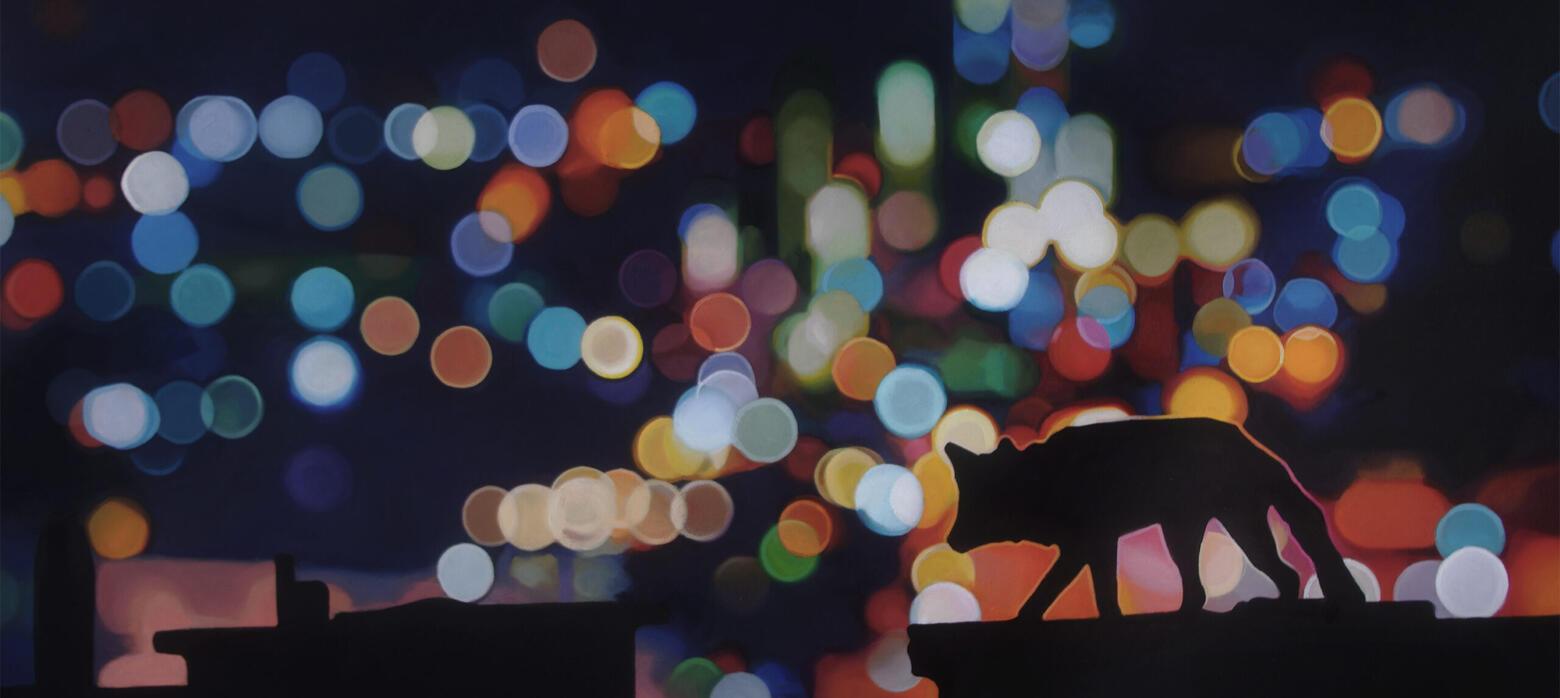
[816, 360]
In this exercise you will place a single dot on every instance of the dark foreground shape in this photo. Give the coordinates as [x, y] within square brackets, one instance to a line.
[1262, 648]
[435, 647]
[1086, 486]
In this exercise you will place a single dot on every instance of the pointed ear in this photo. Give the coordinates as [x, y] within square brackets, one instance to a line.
[958, 456]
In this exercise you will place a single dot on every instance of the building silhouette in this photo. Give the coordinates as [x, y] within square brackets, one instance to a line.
[433, 647]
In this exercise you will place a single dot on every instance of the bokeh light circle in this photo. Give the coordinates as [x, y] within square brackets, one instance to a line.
[319, 78]
[460, 357]
[860, 365]
[479, 515]
[889, 500]
[910, 400]
[104, 291]
[719, 322]
[1206, 392]
[291, 127]
[389, 325]
[1219, 233]
[85, 132]
[1216, 322]
[907, 220]
[1304, 301]
[666, 516]
[781, 564]
[1255, 354]
[141, 120]
[185, 410]
[1470, 524]
[806, 528]
[400, 124]
[859, 277]
[1417, 583]
[647, 278]
[582, 508]
[481, 243]
[704, 421]
[1312, 355]
[994, 280]
[1008, 143]
[553, 337]
[522, 517]
[236, 406]
[444, 137]
[324, 372]
[765, 430]
[740, 685]
[566, 50]
[672, 107]
[492, 132]
[164, 244]
[1151, 246]
[201, 295]
[611, 347]
[218, 128]
[1472, 583]
[120, 416]
[1251, 284]
[118, 529]
[465, 572]
[356, 135]
[330, 197]
[511, 309]
[710, 510]
[1351, 128]
[538, 135]
[944, 602]
[768, 287]
[154, 183]
[1367, 260]
[322, 299]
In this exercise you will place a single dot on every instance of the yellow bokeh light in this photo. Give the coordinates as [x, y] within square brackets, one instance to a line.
[939, 489]
[1311, 354]
[1206, 392]
[941, 563]
[1352, 128]
[1256, 354]
[118, 529]
[611, 347]
[1218, 233]
[842, 469]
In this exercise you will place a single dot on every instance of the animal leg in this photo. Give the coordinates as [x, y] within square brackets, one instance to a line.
[1102, 565]
[1310, 529]
[1185, 545]
[1250, 531]
[1067, 566]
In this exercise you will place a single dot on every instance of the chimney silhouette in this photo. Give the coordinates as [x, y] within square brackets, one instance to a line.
[299, 604]
[64, 581]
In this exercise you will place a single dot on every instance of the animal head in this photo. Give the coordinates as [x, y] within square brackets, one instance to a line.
[997, 493]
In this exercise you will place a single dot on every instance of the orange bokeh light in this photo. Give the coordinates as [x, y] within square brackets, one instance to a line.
[461, 357]
[860, 366]
[53, 187]
[719, 322]
[389, 326]
[520, 195]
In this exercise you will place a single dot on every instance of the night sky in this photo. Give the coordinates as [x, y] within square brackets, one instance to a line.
[1460, 369]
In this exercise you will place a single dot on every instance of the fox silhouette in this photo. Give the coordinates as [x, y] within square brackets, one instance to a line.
[1085, 486]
